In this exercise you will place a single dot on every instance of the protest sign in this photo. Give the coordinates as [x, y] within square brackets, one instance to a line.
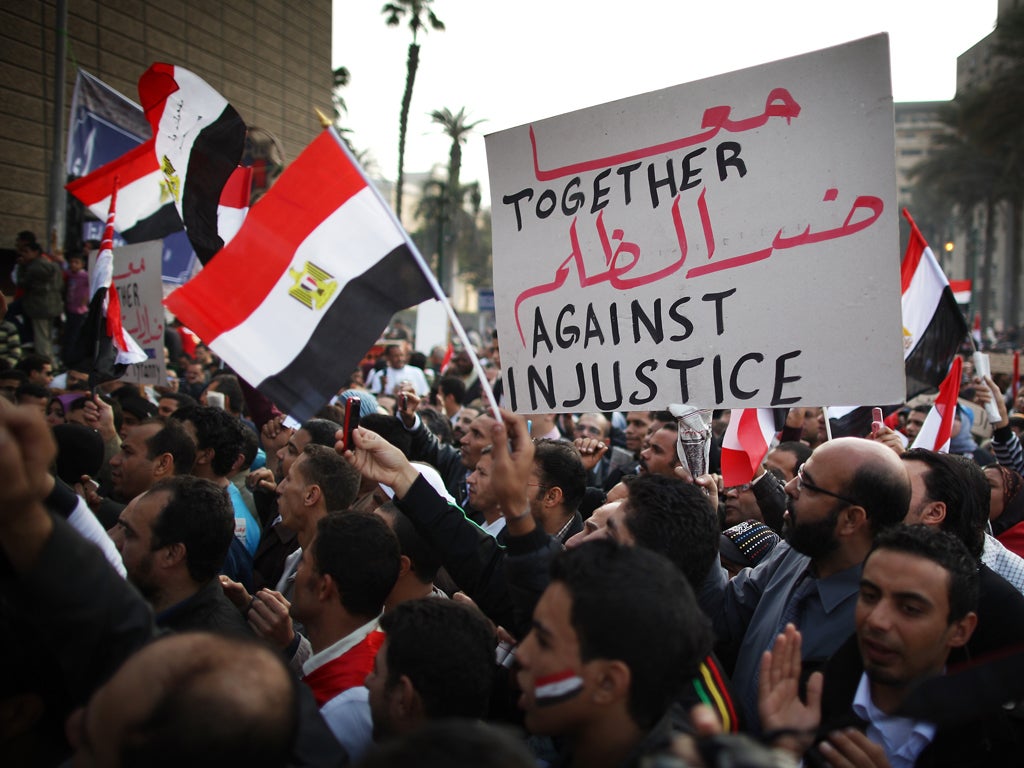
[731, 242]
[137, 278]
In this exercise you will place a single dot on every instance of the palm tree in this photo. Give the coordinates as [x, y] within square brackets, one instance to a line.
[457, 127]
[393, 13]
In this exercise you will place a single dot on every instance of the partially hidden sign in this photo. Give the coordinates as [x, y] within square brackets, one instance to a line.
[731, 242]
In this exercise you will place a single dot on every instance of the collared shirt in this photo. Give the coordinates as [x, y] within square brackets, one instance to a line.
[336, 649]
[493, 529]
[348, 713]
[750, 607]
[904, 739]
[1007, 564]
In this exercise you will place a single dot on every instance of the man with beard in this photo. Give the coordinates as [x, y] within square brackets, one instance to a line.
[845, 494]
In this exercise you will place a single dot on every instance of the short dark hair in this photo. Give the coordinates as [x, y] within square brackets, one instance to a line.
[960, 484]
[180, 398]
[360, 552]
[883, 491]
[199, 515]
[390, 428]
[660, 634]
[216, 429]
[454, 386]
[559, 466]
[250, 446]
[802, 451]
[229, 386]
[338, 480]
[446, 649]
[321, 431]
[943, 548]
[437, 423]
[423, 558]
[173, 439]
[33, 361]
[675, 519]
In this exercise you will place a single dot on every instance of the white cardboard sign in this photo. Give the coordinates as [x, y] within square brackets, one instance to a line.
[731, 242]
[137, 278]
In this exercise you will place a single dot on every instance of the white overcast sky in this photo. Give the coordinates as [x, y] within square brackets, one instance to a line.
[510, 63]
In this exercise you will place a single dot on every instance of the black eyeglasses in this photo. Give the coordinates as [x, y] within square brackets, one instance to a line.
[803, 483]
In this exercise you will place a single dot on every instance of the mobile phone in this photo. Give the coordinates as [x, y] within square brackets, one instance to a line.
[403, 401]
[876, 420]
[351, 421]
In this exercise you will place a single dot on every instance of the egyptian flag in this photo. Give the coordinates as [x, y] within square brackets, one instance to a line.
[234, 204]
[308, 284]
[745, 444]
[104, 345]
[933, 326]
[938, 424]
[178, 175]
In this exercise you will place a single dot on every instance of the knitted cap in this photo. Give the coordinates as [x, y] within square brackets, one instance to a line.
[748, 543]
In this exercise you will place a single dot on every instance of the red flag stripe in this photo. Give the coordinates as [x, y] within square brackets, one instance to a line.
[321, 167]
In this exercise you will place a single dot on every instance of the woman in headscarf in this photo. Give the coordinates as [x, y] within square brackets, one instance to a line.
[1006, 509]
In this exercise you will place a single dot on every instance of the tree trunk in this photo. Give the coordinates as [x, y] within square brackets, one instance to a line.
[412, 64]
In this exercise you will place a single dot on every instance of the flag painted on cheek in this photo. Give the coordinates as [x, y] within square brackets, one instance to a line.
[556, 688]
[307, 285]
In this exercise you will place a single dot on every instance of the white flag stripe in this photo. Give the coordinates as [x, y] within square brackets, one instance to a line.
[922, 297]
[285, 322]
[182, 120]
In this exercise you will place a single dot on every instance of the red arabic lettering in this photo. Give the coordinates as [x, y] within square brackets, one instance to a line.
[778, 104]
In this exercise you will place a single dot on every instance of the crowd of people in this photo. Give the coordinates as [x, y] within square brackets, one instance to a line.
[191, 578]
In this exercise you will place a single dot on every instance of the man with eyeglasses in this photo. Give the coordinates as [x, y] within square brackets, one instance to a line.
[844, 495]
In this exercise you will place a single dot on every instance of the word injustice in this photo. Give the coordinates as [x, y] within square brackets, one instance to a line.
[744, 377]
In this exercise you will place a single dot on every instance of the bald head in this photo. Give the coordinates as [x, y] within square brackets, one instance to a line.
[871, 474]
[186, 697]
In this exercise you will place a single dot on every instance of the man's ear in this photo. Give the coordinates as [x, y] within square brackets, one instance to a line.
[962, 629]
[852, 518]
[934, 513]
[407, 700]
[312, 495]
[173, 554]
[163, 465]
[611, 679]
[405, 565]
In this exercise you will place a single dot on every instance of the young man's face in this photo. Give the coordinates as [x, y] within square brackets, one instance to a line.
[553, 678]
[481, 497]
[902, 618]
[660, 457]
[637, 423]
[477, 437]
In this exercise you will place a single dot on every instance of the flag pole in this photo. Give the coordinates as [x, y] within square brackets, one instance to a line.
[828, 424]
[485, 385]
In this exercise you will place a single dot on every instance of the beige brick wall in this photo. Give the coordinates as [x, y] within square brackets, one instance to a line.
[270, 58]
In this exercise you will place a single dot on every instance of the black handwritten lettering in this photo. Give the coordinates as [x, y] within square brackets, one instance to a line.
[734, 386]
[691, 176]
[718, 298]
[581, 385]
[652, 388]
[781, 379]
[626, 172]
[654, 327]
[514, 200]
[655, 183]
[593, 328]
[540, 333]
[683, 366]
[732, 159]
[576, 197]
[673, 313]
[600, 192]
[545, 386]
[566, 335]
[602, 403]
[551, 198]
